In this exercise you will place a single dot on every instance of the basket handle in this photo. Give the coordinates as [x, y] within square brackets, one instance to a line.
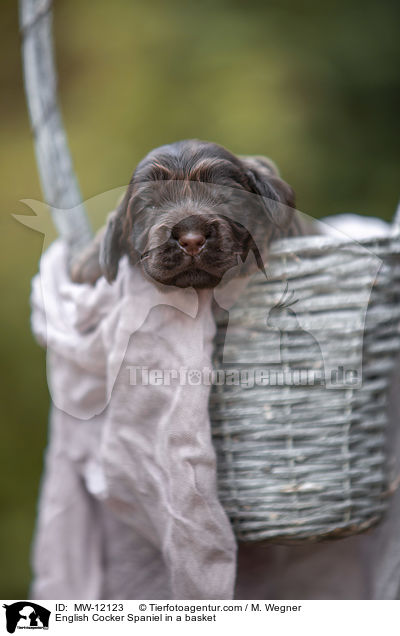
[59, 185]
[396, 220]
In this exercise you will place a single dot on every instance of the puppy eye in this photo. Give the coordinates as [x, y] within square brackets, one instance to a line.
[211, 228]
[174, 234]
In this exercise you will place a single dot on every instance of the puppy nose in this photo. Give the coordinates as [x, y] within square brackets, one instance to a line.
[192, 242]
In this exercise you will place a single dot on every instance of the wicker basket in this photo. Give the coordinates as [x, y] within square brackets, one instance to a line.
[303, 457]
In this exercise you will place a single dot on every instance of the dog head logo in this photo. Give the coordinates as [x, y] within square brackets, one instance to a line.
[26, 615]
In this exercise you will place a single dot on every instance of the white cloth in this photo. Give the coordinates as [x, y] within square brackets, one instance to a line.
[353, 225]
[129, 505]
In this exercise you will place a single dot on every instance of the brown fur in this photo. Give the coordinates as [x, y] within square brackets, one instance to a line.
[239, 204]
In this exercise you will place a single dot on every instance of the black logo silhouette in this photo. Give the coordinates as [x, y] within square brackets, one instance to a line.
[26, 615]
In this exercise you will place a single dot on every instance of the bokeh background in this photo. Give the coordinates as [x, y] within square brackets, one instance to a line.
[315, 85]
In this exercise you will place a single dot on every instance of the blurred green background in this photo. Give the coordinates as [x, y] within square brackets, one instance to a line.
[315, 85]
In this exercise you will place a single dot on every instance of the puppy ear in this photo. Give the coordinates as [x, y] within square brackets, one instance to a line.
[112, 248]
[278, 197]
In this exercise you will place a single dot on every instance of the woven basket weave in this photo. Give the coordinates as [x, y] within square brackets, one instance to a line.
[307, 462]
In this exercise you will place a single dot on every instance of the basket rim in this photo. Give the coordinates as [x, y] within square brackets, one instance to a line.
[320, 243]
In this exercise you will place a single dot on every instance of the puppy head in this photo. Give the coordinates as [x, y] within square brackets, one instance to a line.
[191, 210]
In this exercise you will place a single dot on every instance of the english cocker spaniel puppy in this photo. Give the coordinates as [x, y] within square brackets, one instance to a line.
[191, 210]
